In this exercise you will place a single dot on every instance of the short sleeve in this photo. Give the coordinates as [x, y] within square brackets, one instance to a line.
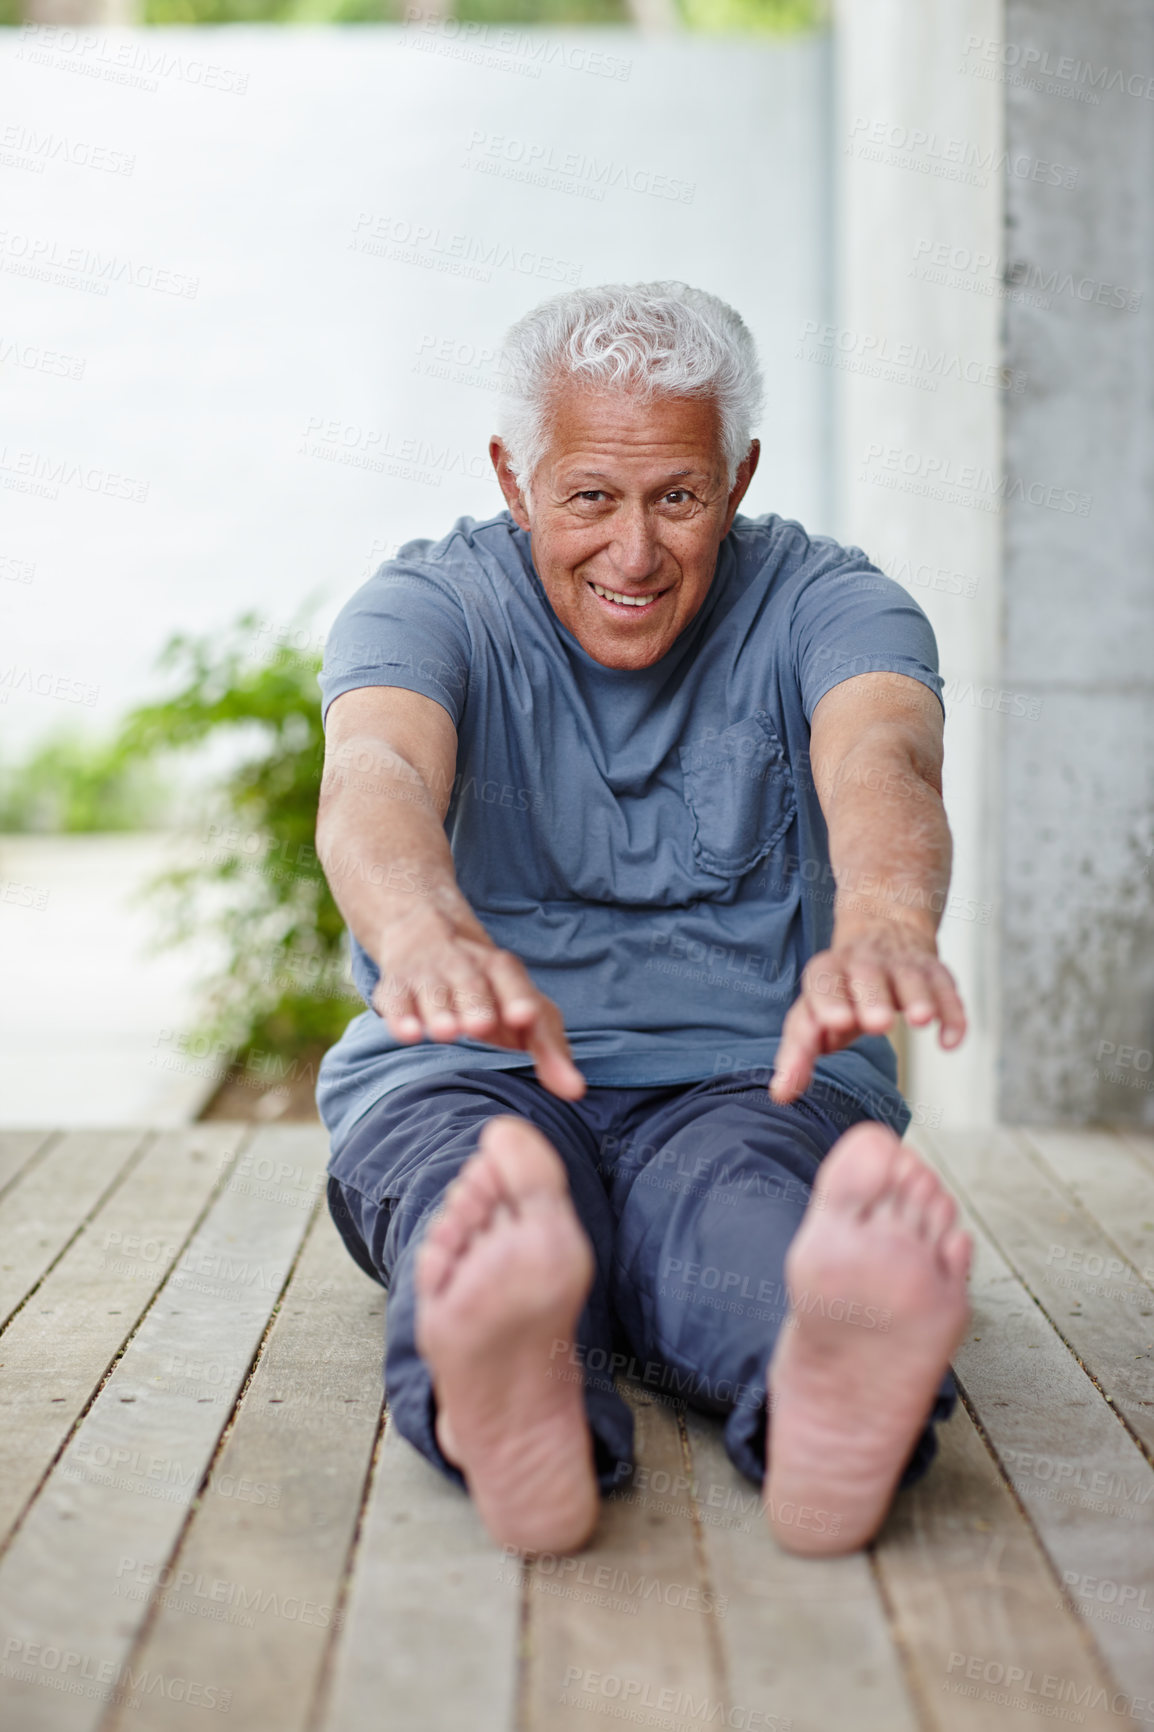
[851, 619]
[404, 627]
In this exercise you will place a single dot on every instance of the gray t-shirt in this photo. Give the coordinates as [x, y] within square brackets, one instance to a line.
[649, 842]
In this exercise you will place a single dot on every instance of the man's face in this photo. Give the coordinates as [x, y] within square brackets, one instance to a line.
[626, 512]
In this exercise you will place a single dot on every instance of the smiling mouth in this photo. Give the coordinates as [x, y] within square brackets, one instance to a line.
[618, 598]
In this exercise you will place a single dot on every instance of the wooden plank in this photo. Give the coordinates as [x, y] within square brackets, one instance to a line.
[1140, 1143]
[1116, 1189]
[631, 1623]
[430, 1634]
[1082, 1480]
[51, 1201]
[1041, 1232]
[802, 1637]
[250, 1598]
[17, 1150]
[58, 1346]
[977, 1613]
[130, 1472]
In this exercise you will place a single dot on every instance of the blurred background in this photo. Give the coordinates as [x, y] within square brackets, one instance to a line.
[256, 260]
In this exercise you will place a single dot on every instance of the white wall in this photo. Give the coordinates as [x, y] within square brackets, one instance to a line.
[917, 149]
[260, 201]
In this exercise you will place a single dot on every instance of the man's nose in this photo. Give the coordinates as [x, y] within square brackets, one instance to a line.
[636, 552]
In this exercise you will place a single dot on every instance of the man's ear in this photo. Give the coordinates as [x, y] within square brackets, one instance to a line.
[746, 470]
[509, 484]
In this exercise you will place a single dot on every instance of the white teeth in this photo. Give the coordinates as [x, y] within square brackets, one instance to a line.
[626, 600]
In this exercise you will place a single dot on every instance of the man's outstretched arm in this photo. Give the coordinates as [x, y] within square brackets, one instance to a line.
[876, 756]
[390, 760]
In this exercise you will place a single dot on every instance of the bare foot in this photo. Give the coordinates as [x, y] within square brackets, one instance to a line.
[501, 1276]
[877, 1283]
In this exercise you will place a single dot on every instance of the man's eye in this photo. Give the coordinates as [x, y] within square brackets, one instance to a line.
[678, 495]
[591, 493]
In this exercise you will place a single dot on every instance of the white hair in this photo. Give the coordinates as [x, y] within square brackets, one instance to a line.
[649, 339]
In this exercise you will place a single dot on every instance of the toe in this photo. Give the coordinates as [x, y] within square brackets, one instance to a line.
[858, 1171]
[915, 1198]
[940, 1217]
[433, 1267]
[474, 1194]
[452, 1228]
[521, 1158]
[956, 1252]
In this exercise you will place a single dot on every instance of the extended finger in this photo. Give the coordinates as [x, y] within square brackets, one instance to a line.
[545, 1040]
[395, 1000]
[871, 995]
[950, 1007]
[518, 1001]
[826, 990]
[801, 1042]
[471, 997]
[434, 996]
[915, 993]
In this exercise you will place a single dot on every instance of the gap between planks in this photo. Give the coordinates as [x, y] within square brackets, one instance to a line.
[128, 1475]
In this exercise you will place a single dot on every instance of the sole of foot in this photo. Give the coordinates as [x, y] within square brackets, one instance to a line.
[502, 1275]
[877, 1283]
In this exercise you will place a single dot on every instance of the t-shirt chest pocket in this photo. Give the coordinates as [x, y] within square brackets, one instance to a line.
[740, 790]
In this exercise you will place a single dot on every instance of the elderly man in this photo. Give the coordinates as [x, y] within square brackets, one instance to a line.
[633, 808]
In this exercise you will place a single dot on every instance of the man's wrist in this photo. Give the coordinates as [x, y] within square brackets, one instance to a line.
[435, 904]
[908, 926]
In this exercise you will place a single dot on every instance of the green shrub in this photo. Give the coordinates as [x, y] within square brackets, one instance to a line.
[71, 785]
[255, 884]
[753, 17]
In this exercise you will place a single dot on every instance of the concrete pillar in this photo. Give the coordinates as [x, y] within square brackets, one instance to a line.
[916, 359]
[1078, 831]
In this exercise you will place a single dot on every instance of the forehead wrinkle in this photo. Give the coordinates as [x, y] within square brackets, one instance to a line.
[603, 474]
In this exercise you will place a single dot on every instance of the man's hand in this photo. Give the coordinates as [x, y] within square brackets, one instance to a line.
[858, 987]
[442, 977]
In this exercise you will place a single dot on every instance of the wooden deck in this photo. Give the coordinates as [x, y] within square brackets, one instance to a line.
[204, 1513]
